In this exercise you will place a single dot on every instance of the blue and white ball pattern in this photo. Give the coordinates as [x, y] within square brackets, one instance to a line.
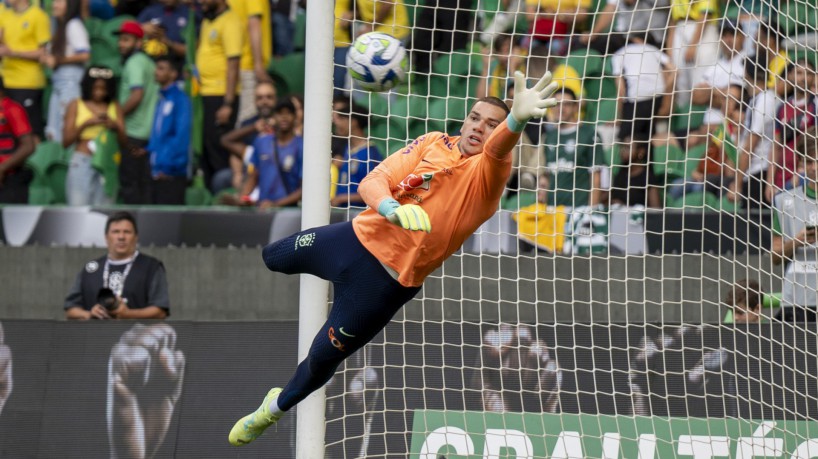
[377, 61]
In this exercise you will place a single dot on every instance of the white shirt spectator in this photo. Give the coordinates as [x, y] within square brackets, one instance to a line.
[641, 65]
[76, 38]
[726, 72]
[642, 15]
[760, 120]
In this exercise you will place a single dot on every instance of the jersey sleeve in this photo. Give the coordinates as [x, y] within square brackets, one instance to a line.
[158, 294]
[77, 35]
[378, 185]
[232, 37]
[74, 297]
[43, 29]
[254, 9]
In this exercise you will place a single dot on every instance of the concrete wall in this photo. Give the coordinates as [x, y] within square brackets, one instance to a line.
[233, 284]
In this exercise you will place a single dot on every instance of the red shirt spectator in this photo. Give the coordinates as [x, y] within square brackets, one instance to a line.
[16, 144]
[792, 119]
[13, 125]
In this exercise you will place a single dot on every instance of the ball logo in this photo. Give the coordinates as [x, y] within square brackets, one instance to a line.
[414, 181]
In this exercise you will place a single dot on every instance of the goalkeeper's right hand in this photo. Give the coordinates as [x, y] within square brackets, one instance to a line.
[530, 102]
[407, 216]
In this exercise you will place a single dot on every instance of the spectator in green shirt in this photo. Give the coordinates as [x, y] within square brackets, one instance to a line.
[138, 94]
[573, 155]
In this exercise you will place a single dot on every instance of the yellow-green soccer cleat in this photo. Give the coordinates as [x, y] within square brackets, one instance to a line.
[251, 426]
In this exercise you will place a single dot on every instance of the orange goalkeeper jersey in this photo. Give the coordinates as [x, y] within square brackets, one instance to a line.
[459, 193]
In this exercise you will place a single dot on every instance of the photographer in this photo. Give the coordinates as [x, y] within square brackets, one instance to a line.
[124, 284]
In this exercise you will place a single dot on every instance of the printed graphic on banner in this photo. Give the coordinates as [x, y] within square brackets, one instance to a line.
[479, 435]
[6, 381]
[145, 377]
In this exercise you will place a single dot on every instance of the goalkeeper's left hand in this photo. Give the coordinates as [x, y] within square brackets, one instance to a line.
[531, 102]
[407, 216]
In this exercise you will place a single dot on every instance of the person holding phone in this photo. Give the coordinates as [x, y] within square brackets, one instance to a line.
[795, 234]
[85, 119]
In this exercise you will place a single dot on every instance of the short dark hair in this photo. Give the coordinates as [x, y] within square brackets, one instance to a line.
[769, 29]
[357, 112]
[755, 69]
[284, 103]
[746, 291]
[119, 217]
[491, 100]
[638, 139]
[807, 145]
[173, 62]
[92, 74]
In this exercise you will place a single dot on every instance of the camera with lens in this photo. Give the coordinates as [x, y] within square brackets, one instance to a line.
[107, 299]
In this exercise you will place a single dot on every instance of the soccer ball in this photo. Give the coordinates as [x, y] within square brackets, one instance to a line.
[377, 61]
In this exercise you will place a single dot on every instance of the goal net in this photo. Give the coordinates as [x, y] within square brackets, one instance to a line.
[647, 286]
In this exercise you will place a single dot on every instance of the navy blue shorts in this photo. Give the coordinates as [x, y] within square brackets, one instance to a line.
[365, 298]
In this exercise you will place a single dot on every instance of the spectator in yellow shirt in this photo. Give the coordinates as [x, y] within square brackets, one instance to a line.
[554, 21]
[256, 51]
[693, 43]
[357, 17]
[217, 61]
[541, 225]
[25, 30]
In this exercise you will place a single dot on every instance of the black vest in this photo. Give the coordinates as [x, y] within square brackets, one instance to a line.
[137, 284]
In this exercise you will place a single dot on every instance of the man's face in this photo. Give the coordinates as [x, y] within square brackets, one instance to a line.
[734, 109]
[209, 5]
[731, 41]
[284, 120]
[165, 73]
[340, 120]
[478, 126]
[742, 315]
[811, 169]
[121, 239]
[128, 44]
[567, 109]
[802, 77]
[265, 100]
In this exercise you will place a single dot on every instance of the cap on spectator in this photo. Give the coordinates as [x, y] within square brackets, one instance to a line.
[284, 104]
[131, 28]
[731, 26]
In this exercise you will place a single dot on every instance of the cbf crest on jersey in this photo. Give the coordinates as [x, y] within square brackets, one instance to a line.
[414, 182]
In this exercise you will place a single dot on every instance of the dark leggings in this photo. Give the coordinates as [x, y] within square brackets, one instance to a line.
[365, 299]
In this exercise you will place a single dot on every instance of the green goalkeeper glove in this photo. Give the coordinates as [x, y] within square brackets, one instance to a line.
[407, 216]
[530, 102]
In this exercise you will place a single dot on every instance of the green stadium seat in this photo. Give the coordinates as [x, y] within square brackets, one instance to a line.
[455, 75]
[39, 195]
[288, 73]
[587, 62]
[197, 194]
[300, 39]
[104, 44]
[45, 155]
[57, 174]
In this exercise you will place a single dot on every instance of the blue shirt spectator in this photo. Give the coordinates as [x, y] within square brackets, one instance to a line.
[279, 167]
[169, 144]
[164, 25]
[169, 141]
[357, 163]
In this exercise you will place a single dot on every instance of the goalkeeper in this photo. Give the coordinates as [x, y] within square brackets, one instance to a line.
[424, 201]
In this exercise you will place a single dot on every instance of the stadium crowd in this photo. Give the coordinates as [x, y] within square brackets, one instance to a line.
[666, 103]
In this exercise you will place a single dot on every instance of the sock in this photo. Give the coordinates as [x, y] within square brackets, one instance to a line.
[274, 409]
